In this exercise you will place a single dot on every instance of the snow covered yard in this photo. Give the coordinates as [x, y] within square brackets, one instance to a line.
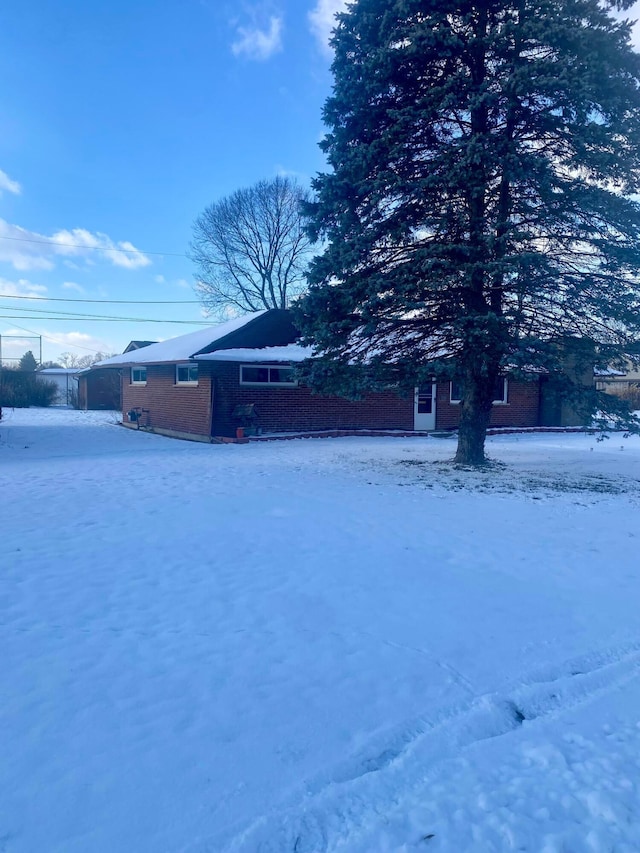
[301, 646]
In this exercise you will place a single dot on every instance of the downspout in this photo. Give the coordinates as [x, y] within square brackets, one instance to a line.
[212, 382]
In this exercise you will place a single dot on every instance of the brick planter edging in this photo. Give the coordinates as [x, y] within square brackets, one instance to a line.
[346, 433]
[524, 430]
[341, 433]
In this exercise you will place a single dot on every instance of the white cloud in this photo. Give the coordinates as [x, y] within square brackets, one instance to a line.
[29, 250]
[22, 287]
[14, 346]
[20, 254]
[257, 42]
[53, 343]
[78, 340]
[6, 183]
[177, 282]
[121, 254]
[283, 172]
[322, 20]
[71, 285]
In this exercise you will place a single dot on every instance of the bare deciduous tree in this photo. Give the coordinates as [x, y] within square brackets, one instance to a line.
[71, 359]
[68, 359]
[250, 248]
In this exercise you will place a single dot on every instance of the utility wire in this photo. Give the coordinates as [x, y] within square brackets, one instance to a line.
[106, 301]
[95, 248]
[85, 315]
[53, 340]
[81, 319]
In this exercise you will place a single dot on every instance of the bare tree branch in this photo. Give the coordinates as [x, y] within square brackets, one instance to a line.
[250, 248]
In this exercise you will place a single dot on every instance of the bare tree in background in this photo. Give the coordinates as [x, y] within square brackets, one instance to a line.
[71, 359]
[68, 359]
[250, 248]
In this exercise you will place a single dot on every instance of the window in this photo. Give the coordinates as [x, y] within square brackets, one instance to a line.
[186, 374]
[264, 375]
[424, 400]
[138, 375]
[499, 394]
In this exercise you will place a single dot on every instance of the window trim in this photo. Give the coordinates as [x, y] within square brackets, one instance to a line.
[268, 383]
[503, 402]
[133, 381]
[188, 383]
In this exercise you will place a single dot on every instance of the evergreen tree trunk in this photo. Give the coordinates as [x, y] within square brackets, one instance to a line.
[475, 412]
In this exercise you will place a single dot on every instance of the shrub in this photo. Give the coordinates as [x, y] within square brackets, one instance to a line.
[20, 389]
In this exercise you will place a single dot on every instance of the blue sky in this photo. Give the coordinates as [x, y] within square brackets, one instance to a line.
[120, 122]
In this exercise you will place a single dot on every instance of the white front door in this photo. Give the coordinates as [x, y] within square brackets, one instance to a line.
[424, 407]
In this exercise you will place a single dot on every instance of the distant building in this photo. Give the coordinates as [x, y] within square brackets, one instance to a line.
[65, 380]
[100, 388]
[618, 381]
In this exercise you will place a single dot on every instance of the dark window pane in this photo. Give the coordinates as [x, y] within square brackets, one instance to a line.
[499, 395]
[255, 374]
[456, 390]
[187, 373]
[425, 404]
[281, 374]
[499, 390]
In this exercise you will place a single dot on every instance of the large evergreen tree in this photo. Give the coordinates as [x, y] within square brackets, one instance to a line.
[479, 210]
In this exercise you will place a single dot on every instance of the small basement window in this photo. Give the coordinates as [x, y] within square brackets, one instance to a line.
[186, 374]
[500, 392]
[262, 374]
[138, 375]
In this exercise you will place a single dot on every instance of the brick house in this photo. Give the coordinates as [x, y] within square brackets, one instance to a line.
[100, 388]
[208, 383]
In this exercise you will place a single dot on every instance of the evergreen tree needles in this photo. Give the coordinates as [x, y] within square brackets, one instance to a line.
[479, 209]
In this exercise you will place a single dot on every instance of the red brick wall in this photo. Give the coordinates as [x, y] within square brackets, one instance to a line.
[102, 389]
[177, 407]
[522, 408]
[188, 409]
[298, 410]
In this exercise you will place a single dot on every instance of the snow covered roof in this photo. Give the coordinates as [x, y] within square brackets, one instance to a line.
[290, 353]
[183, 347]
[132, 345]
[608, 371]
[60, 370]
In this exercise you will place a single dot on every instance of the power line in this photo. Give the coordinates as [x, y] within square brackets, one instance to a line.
[81, 319]
[106, 301]
[95, 248]
[53, 340]
[82, 316]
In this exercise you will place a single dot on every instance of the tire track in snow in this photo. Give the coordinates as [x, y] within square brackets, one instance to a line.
[366, 785]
